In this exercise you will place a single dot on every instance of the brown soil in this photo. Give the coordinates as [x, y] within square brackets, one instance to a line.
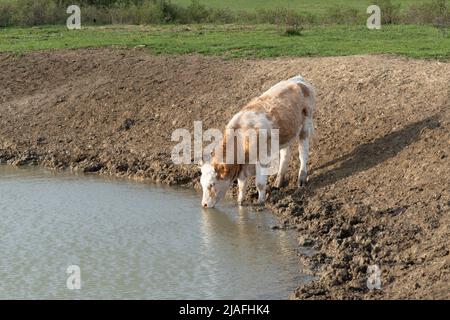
[379, 171]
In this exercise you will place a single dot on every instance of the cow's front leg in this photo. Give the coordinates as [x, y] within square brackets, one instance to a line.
[242, 183]
[261, 184]
[284, 164]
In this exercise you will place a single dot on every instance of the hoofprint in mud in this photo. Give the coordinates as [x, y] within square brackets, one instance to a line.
[285, 109]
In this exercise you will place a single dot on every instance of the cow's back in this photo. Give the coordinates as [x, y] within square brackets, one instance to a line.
[284, 106]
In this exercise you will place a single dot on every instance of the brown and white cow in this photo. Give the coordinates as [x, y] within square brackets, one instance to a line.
[288, 106]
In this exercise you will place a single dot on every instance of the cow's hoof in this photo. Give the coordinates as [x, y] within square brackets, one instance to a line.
[301, 185]
[280, 184]
[302, 182]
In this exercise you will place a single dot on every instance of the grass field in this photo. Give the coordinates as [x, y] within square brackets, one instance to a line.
[310, 6]
[241, 39]
[232, 41]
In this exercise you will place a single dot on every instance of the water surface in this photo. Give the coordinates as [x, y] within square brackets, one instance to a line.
[134, 241]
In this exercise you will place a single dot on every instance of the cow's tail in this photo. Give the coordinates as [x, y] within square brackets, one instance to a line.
[308, 130]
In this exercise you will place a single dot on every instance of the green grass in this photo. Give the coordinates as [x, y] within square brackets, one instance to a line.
[309, 6]
[231, 41]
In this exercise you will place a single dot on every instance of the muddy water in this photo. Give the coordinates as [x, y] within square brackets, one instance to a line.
[134, 241]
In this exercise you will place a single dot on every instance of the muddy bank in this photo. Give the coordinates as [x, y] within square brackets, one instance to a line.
[379, 176]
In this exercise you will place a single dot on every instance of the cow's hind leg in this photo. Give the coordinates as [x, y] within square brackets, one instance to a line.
[284, 164]
[303, 150]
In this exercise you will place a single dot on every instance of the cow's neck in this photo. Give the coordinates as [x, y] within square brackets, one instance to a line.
[227, 170]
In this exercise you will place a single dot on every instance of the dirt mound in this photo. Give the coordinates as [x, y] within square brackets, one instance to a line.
[379, 174]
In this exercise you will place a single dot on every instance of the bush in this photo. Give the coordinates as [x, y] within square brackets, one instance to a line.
[390, 13]
[292, 24]
[196, 12]
[222, 16]
[293, 30]
[172, 12]
[37, 12]
[6, 14]
[247, 17]
[94, 15]
[146, 13]
[339, 15]
[441, 15]
[287, 21]
[149, 13]
[436, 13]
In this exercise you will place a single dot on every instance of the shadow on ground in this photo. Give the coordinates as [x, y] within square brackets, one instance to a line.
[368, 155]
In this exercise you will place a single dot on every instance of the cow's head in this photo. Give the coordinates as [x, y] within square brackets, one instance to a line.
[214, 183]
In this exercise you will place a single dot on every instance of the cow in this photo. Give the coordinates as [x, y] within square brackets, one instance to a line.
[287, 106]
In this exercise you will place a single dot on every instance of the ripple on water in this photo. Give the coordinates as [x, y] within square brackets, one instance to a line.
[134, 241]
